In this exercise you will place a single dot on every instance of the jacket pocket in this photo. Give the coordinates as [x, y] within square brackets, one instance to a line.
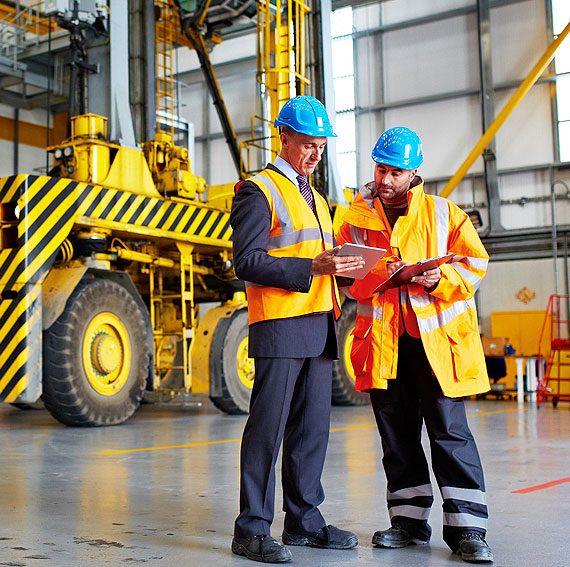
[464, 343]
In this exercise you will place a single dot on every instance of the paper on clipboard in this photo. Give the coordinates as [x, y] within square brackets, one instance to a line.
[370, 255]
[403, 275]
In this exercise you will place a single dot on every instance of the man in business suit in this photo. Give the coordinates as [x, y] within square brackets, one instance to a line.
[284, 250]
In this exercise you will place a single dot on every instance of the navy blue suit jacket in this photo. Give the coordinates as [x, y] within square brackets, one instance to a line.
[296, 337]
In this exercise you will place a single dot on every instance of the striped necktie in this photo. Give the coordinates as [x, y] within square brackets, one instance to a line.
[305, 189]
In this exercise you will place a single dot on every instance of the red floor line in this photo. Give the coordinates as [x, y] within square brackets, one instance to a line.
[542, 486]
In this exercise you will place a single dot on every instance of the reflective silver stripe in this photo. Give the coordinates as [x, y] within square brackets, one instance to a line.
[295, 237]
[443, 318]
[477, 263]
[464, 520]
[411, 492]
[403, 296]
[469, 276]
[467, 494]
[253, 284]
[367, 192]
[442, 224]
[356, 235]
[278, 203]
[410, 512]
[288, 236]
[371, 311]
[422, 299]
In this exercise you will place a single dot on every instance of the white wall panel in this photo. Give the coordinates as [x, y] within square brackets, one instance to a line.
[35, 116]
[221, 165]
[430, 59]
[368, 128]
[504, 279]
[7, 153]
[192, 106]
[448, 129]
[526, 137]
[402, 10]
[518, 36]
[368, 71]
[228, 50]
[367, 17]
[524, 186]
[240, 96]
[31, 159]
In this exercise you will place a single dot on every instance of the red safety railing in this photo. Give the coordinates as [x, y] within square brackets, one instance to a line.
[554, 354]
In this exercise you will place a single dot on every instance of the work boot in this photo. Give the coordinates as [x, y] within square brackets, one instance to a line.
[262, 548]
[328, 537]
[395, 537]
[474, 549]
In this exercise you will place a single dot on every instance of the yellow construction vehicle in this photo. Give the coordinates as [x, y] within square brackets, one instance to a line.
[101, 273]
[110, 265]
[104, 265]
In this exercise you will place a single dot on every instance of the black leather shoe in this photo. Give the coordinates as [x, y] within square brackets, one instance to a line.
[262, 548]
[474, 549]
[328, 537]
[395, 537]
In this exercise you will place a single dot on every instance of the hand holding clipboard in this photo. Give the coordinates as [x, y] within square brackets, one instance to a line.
[404, 274]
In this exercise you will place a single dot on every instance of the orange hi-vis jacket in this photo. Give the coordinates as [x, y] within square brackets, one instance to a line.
[446, 316]
[295, 232]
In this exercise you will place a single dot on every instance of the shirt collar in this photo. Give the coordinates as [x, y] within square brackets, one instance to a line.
[287, 169]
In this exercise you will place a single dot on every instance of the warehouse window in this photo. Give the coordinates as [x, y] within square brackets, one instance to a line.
[560, 18]
[343, 76]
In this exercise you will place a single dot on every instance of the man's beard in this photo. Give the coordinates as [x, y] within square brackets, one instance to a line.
[397, 198]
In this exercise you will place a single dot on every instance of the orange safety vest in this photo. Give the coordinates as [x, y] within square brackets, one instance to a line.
[295, 232]
[446, 316]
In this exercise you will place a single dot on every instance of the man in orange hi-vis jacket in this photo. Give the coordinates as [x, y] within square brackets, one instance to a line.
[417, 348]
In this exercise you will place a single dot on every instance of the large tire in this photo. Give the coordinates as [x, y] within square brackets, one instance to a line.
[230, 364]
[96, 356]
[343, 393]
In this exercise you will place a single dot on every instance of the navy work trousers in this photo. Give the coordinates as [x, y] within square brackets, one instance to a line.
[290, 403]
[414, 398]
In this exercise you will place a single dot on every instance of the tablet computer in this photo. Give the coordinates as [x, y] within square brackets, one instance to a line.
[370, 255]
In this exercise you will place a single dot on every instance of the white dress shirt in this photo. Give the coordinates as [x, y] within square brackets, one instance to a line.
[287, 169]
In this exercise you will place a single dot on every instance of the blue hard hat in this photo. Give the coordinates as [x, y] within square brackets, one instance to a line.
[306, 115]
[399, 147]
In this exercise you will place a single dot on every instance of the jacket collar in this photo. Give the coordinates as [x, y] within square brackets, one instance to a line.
[367, 212]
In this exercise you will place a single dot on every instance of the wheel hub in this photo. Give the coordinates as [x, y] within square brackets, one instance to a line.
[106, 354]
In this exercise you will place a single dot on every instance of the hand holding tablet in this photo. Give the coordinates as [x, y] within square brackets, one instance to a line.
[369, 254]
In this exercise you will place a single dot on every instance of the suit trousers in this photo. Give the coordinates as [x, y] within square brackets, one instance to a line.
[414, 398]
[290, 404]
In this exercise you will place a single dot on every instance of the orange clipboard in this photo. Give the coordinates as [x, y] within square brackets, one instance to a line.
[403, 275]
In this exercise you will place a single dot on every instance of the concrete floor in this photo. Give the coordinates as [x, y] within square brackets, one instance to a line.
[162, 489]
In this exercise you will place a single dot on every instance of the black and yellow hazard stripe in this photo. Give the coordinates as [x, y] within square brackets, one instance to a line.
[49, 208]
[189, 222]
